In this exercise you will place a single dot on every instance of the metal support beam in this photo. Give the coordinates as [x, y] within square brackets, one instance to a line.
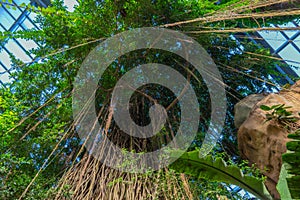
[41, 3]
[287, 71]
[287, 42]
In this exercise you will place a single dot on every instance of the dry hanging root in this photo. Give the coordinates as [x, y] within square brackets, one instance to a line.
[89, 179]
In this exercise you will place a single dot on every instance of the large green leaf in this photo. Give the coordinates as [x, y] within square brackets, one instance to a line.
[290, 175]
[282, 185]
[216, 169]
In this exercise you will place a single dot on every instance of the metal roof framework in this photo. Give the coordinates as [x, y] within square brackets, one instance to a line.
[286, 45]
[283, 44]
[14, 18]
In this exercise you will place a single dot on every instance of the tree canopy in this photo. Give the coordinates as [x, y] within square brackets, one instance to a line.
[39, 141]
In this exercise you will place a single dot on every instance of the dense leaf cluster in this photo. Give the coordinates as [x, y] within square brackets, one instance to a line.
[36, 112]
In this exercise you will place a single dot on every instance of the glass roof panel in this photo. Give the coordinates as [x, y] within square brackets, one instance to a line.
[14, 11]
[17, 51]
[6, 19]
[27, 44]
[70, 4]
[285, 43]
[2, 70]
[297, 42]
[15, 18]
[4, 58]
[4, 78]
[19, 2]
[277, 40]
[32, 15]
[291, 54]
[1, 29]
[27, 24]
[289, 33]
[274, 38]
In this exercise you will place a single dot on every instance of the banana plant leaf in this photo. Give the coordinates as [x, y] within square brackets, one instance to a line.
[216, 169]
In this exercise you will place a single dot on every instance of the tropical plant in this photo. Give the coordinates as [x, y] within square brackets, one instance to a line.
[42, 140]
[290, 174]
[287, 186]
[279, 113]
[216, 169]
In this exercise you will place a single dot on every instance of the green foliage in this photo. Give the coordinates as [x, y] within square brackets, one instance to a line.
[279, 113]
[35, 113]
[22, 156]
[216, 169]
[12, 180]
[291, 161]
[288, 184]
[282, 185]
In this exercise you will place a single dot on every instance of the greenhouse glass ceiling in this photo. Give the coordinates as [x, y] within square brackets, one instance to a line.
[285, 44]
[14, 18]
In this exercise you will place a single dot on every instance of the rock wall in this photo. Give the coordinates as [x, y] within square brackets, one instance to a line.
[263, 142]
[243, 108]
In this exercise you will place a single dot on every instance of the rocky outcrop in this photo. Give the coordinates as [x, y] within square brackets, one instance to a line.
[263, 142]
[243, 108]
